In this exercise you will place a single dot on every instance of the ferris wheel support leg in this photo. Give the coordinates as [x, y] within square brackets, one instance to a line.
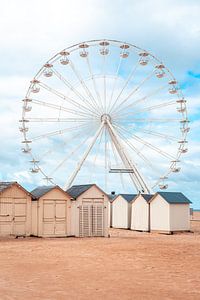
[136, 177]
[74, 174]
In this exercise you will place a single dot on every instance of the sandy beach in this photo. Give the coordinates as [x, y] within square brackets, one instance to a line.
[129, 265]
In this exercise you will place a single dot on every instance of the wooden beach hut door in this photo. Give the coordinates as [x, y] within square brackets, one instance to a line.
[54, 217]
[13, 216]
[91, 220]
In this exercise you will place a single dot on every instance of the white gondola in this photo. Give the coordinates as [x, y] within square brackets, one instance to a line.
[185, 130]
[144, 58]
[26, 142]
[163, 186]
[175, 169]
[181, 101]
[26, 150]
[35, 88]
[181, 109]
[24, 121]
[182, 142]
[124, 54]
[27, 108]
[173, 82]
[83, 53]
[104, 50]
[34, 161]
[34, 170]
[23, 129]
[184, 121]
[48, 70]
[173, 90]
[64, 57]
[184, 150]
[160, 73]
[27, 100]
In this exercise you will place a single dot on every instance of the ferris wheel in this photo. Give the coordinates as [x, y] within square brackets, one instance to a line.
[105, 108]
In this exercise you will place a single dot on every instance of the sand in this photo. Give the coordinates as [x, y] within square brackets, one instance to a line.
[129, 265]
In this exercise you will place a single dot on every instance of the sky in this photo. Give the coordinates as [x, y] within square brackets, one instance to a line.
[32, 32]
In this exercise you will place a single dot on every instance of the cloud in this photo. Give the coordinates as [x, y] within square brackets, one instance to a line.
[31, 33]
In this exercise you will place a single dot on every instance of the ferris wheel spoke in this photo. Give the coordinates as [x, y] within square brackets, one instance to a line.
[84, 130]
[93, 102]
[94, 84]
[140, 100]
[65, 98]
[149, 145]
[95, 158]
[158, 134]
[134, 91]
[60, 107]
[146, 120]
[58, 75]
[75, 120]
[58, 132]
[115, 82]
[150, 108]
[63, 161]
[124, 86]
[136, 151]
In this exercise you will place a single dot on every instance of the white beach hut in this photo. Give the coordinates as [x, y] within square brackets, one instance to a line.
[90, 210]
[121, 211]
[140, 212]
[50, 212]
[15, 210]
[169, 212]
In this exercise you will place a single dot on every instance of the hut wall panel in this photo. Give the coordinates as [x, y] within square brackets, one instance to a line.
[140, 214]
[159, 214]
[179, 217]
[120, 213]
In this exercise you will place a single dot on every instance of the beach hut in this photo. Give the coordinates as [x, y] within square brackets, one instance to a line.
[121, 211]
[89, 211]
[15, 210]
[169, 212]
[140, 212]
[50, 212]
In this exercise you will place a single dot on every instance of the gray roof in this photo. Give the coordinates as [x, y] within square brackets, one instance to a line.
[147, 197]
[174, 197]
[5, 184]
[77, 190]
[128, 197]
[42, 190]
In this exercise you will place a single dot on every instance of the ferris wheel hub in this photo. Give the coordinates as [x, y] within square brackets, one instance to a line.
[105, 118]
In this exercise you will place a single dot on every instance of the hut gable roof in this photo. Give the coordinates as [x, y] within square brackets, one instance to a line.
[146, 197]
[127, 197]
[7, 184]
[42, 190]
[174, 197]
[77, 190]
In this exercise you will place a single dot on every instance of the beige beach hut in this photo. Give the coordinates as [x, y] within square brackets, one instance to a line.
[89, 211]
[140, 212]
[121, 211]
[15, 210]
[50, 212]
[169, 212]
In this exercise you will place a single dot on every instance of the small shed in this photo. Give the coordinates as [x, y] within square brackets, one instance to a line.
[140, 212]
[15, 210]
[169, 212]
[89, 211]
[121, 211]
[50, 212]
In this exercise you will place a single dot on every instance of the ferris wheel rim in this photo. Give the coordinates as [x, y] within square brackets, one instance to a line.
[117, 42]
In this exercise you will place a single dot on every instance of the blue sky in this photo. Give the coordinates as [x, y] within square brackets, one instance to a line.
[30, 33]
